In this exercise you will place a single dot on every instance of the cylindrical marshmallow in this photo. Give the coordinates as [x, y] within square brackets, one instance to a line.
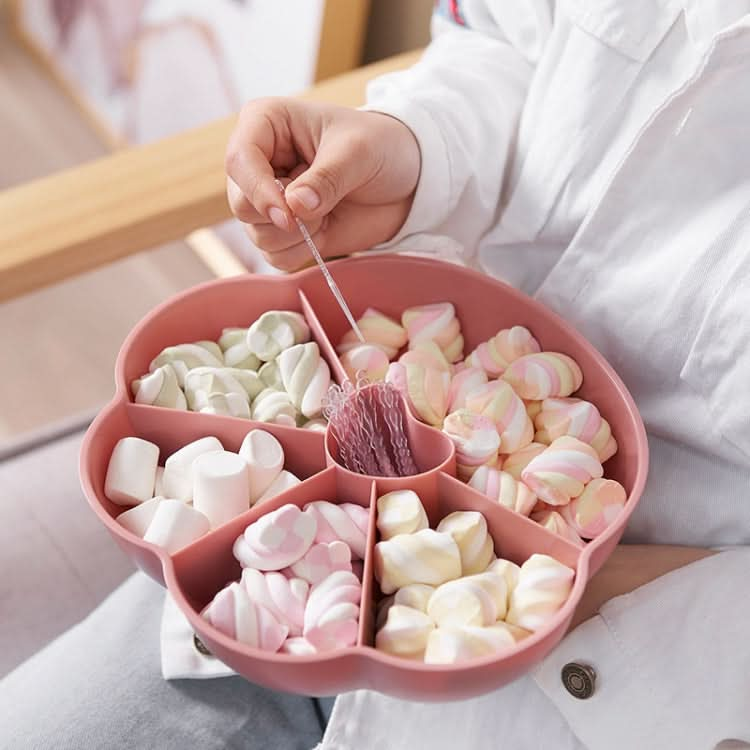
[137, 519]
[284, 481]
[426, 556]
[265, 460]
[404, 632]
[221, 486]
[400, 512]
[131, 472]
[275, 331]
[469, 531]
[177, 480]
[175, 525]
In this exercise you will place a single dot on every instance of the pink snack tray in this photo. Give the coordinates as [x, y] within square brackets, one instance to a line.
[389, 283]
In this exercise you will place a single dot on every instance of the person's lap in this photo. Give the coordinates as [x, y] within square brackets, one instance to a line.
[100, 685]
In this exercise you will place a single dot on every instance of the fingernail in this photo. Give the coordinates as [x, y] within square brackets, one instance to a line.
[278, 218]
[307, 197]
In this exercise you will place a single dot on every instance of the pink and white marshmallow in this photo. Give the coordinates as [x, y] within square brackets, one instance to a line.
[378, 329]
[554, 522]
[367, 360]
[508, 345]
[346, 522]
[476, 440]
[498, 401]
[238, 616]
[560, 473]
[500, 486]
[544, 375]
[321, 560]
[276, 540]
[596, 508]
[332, 611]
[438, 323]
[285, 598]
[425, 390]
[463, 384]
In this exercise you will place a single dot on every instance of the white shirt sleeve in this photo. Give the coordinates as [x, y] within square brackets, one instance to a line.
[462, 101]
[671, 661]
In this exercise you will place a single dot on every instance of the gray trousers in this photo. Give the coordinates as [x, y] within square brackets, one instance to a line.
[99, 686]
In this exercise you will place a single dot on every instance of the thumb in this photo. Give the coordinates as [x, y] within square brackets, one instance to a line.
[339, 167]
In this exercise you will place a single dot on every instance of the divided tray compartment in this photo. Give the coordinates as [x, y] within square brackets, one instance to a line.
[390, 284]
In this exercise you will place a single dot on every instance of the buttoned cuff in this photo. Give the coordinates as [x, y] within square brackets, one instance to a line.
[661, 655]
[433, 194]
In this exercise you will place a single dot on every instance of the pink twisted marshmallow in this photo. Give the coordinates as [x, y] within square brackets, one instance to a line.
[283, 597]
[276, 540]
[544, 375]
[332, 612]
[498, 401]
[235, 614]
[517, 461]
[501, 487]
[601, 501]
[367, 358]
[346, 522]
[475, 438]
[425, 390]
[463, 384]
[438, 323]
[377, 329]
[427, 354]
[577, 418]
[508, 345]
[554, 522]
[560, 473]
[321, 560]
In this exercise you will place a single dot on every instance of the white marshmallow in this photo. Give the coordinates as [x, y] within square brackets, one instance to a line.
[185, 357]
[473, 600]
[469, 531]
[175, 525]
[132, 471]
[177, 480]
[451, 645]
[137, 520]
[306, 377]
[405, 632]
[210, 380]
[275, 407]
[400, 512]
[275, 331]
[270, 375]
[283, 481]
[159, 388]
[159, 482]
[221, 486]
[415, 595]
[233, 343]
[265, 460]
[224, 404]
[298, 646]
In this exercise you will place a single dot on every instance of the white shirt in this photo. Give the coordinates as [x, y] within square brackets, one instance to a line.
[597, 155]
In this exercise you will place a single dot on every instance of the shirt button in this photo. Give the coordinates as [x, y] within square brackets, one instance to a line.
[200, 647]
[579, 679]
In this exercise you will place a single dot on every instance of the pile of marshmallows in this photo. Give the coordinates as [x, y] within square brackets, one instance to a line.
[450, 598]
[200, 487]
[301, 588]
[520, 438]
[269, 372]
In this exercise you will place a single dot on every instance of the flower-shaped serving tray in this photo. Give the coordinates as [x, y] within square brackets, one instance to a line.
[391, 284]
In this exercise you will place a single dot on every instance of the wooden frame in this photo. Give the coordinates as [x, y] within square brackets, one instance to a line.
[132, 200]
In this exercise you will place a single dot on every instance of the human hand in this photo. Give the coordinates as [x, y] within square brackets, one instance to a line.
[627, 568]
[350, 176]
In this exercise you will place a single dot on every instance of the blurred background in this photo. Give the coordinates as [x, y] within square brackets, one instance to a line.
[81, 78]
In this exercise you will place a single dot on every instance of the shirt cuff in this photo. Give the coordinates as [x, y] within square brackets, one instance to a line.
[662, 655]
[433, 195]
